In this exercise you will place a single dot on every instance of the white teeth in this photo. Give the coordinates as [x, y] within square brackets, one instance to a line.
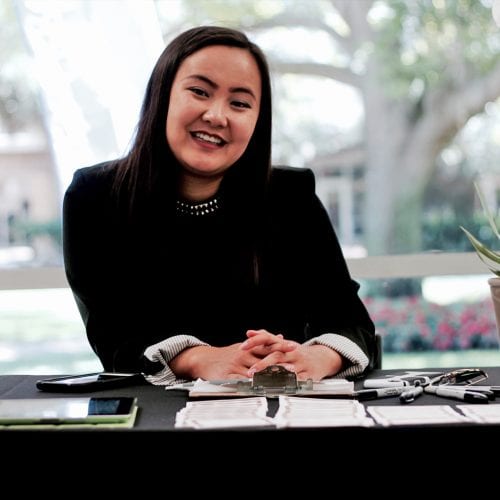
[208, 138]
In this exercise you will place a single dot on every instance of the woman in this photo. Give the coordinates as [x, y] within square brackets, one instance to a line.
[191, 257]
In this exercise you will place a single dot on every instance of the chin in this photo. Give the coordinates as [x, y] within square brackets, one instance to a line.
[207, 170]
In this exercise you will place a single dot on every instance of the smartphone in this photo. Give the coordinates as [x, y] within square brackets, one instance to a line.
[89, 382]
[67, 410]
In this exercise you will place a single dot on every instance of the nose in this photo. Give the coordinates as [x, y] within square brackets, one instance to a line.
[215, 115]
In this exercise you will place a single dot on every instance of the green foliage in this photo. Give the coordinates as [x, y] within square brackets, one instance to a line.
[392, 288]
[490, 257]
[27, 230]
[441, 44]
[441, 231]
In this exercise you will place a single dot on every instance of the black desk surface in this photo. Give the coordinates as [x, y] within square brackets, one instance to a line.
[154, 429]
[158, 407]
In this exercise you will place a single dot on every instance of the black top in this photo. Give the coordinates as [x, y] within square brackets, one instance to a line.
[168, 274]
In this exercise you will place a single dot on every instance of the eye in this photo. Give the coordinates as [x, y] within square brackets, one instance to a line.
[198, 91]
[241, 104]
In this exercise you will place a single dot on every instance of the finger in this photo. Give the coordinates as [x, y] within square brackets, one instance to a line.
[274, 358]
[264, 350]
[259, 339]
[265, 338]
[253, 333]
[286, 346]
[266, 346]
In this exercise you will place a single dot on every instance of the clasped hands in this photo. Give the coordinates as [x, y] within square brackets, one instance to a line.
[260, 350]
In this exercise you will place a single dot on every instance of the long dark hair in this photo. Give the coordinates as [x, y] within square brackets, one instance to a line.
[150, 157]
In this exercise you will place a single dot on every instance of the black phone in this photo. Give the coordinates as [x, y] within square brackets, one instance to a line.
[89, 382]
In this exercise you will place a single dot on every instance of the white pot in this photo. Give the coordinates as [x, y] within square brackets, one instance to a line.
[495, 295]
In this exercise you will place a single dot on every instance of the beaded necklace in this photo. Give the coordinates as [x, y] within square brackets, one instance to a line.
[199, 209]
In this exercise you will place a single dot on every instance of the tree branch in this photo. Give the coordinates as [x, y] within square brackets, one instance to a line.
[293, 21]
[354, 13]
[453, 109]
[317, 69]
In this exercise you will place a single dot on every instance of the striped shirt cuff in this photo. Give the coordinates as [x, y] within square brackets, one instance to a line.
[164, 352]
[346, 348]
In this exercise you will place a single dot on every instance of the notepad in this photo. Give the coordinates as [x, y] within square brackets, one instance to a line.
[127, 424]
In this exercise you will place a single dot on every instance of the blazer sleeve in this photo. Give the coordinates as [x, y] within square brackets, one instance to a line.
[96, 275]
[332, 301]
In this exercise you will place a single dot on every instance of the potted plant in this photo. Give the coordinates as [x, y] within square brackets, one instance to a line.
[490, 257]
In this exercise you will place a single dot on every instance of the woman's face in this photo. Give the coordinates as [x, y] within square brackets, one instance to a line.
[213, 109]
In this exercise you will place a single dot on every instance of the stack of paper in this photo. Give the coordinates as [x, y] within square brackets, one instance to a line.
[416, 415]
[488, 414]
[313, 412]
[247, 412]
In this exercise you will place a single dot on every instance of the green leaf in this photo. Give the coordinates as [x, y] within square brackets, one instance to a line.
[489, 257]
[487, 211]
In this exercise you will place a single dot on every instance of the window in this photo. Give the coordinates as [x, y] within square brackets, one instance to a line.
[383, 110]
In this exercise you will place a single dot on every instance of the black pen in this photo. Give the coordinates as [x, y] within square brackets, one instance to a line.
[384, 392]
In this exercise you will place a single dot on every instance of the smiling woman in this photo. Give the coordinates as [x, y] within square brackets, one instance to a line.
[195, 212]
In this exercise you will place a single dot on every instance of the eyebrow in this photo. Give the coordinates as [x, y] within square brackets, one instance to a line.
[212, 84]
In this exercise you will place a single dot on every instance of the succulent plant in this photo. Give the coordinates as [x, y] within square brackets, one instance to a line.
[490, 257]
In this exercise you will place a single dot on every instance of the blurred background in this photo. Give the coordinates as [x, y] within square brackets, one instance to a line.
[395, 105]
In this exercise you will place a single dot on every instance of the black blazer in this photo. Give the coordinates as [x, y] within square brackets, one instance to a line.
[137, 284]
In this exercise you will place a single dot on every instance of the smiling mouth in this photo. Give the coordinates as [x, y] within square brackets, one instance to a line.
[209, 139]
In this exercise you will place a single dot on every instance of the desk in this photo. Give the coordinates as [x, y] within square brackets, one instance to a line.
[154, 432]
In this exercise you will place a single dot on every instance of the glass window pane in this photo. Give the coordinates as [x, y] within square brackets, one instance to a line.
[393, 104]
[42, 333]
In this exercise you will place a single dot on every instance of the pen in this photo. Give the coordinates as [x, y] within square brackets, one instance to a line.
[410, 394]
[396, 381]
[378, 383]
[495, 389]
[472, 388]
[382, 392]
[466, 395]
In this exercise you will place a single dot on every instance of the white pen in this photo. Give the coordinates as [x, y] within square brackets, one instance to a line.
[383, 392]
[466, 395]
[410, 393]
[377, 383]
[478, 388]
[473, 388]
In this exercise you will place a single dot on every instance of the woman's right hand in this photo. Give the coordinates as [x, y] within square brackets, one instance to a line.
[213, 363]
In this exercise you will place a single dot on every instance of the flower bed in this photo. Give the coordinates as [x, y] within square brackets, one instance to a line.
[413, 324]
